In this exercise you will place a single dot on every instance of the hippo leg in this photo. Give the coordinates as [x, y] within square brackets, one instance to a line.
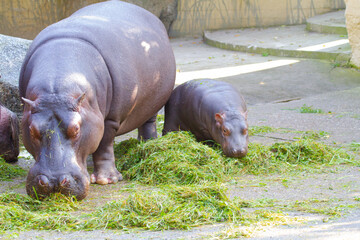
[148, 129]
[105, 171]
[171, 121]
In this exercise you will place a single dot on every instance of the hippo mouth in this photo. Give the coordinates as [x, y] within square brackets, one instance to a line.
[42, 186]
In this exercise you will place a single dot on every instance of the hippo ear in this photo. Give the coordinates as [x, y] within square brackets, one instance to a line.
[14, 128]
[32, 104]
[79, 100]
[219, 118]
[245, 114]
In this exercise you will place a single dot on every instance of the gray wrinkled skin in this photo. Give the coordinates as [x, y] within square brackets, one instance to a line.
[102, 72]
[211, 110]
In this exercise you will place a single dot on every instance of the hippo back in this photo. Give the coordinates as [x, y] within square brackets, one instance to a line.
[135, 48]
[208, 95]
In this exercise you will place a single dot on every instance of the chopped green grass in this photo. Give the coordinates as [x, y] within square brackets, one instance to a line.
[292, 156]
[309, 109]
[259, 130]
[255, 130]
[178, 158]
[184, 187]
[320, 206]
[306, 152]
[160, 123]
[9, 171]
[55, 202]
[162, 208]
[19, 212]
[315, 135]
[169, 207]
[355, 146]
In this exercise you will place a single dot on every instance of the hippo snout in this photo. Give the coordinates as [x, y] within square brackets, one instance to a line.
[241, 152]
[236, 152]
[41, 186]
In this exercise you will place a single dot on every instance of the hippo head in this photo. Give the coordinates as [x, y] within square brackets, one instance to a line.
[60, 133]
[232, 133]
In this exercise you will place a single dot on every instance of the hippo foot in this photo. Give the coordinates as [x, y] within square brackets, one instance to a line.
[104, 178]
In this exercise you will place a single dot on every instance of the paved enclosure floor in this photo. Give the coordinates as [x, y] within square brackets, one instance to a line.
[274, 88]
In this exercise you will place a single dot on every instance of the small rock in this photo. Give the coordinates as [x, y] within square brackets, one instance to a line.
[12, 53]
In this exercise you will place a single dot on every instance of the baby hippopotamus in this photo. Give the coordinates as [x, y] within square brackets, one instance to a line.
[211, 110]
[9, 135]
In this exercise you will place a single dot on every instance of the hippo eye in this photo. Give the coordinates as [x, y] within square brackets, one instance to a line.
[226, 132]
[34, 132]
[73, 131]
[244, 131]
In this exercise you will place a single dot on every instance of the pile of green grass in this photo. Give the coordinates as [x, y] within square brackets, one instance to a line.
[178, 158]
[161, 208]
[169, 207]
[298, 155]
[9, 171]
[21, 212]
[184, 186]
[166, 207]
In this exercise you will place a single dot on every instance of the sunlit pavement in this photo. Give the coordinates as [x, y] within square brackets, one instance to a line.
[271, 86]
[274, 88]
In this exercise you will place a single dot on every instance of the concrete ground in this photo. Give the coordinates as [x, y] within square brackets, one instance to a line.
[274, 88]
[323, 37]
[271, 92]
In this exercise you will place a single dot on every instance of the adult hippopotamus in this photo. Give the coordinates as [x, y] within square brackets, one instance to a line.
[9, 135]
[211, 110]
[102, 72]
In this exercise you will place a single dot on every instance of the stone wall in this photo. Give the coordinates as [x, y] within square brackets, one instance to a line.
[352, 15]
[12, 53]
[194, 16]
[26, 18]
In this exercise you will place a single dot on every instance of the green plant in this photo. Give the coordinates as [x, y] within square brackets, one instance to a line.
[176, 158]
[10, 171]
[309, 109]
[185, 187]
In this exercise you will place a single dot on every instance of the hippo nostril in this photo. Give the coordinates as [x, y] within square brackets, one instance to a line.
[43, 181]
[64, 180]
[236, 151]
